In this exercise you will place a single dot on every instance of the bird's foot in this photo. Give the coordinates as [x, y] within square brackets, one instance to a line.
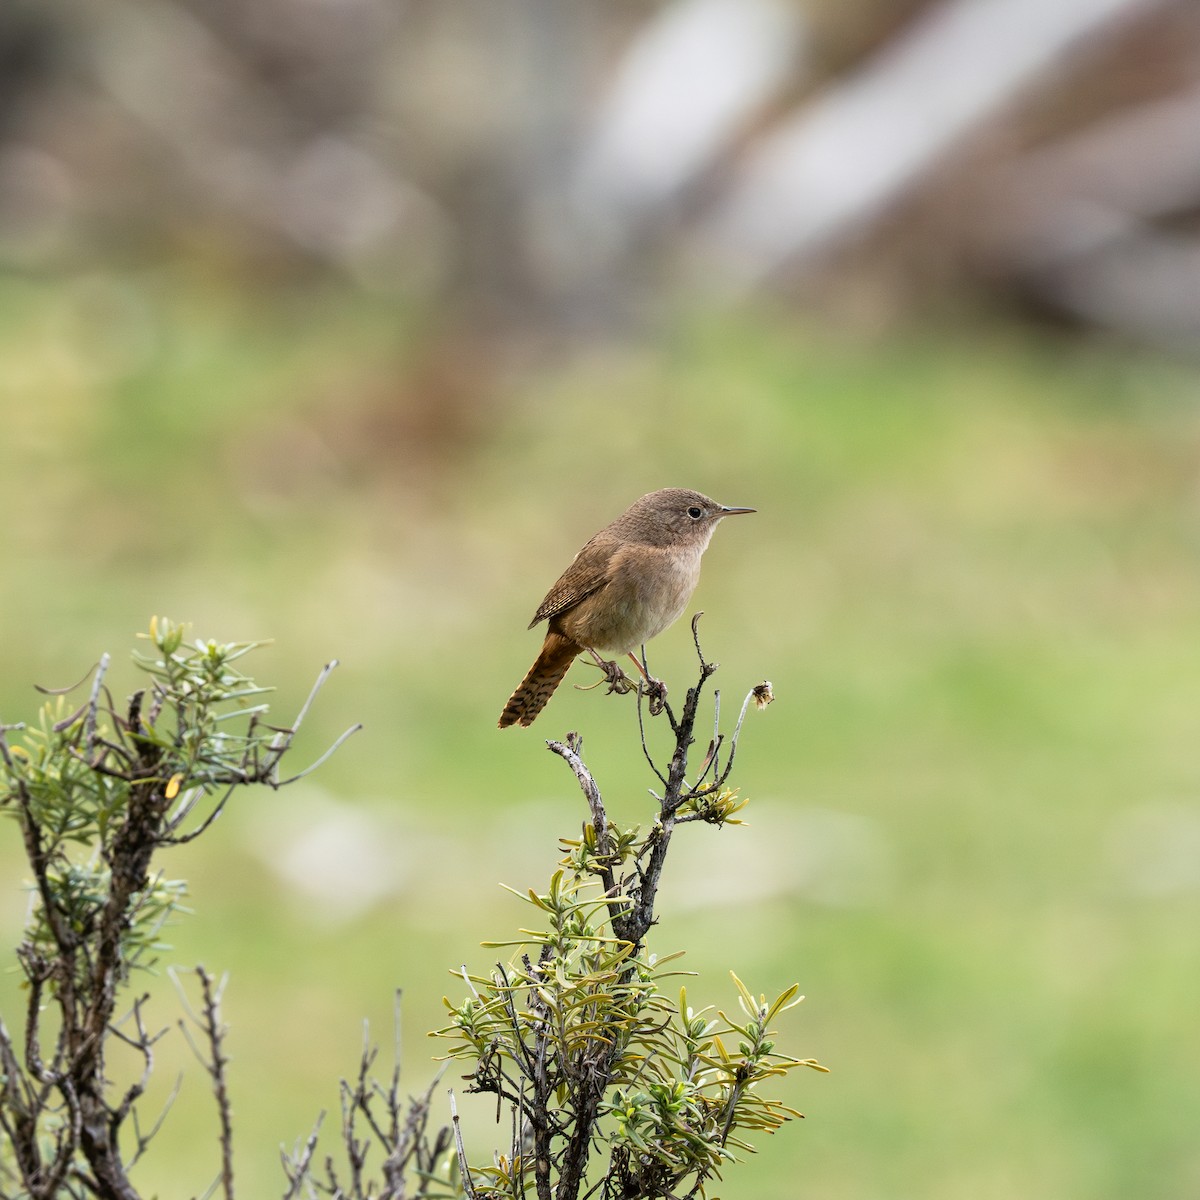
[655, 692]
[616, 679]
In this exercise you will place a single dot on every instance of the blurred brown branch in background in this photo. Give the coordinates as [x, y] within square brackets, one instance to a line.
[547, 166]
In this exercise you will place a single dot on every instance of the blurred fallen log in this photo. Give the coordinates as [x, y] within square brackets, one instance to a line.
[848, 156]
[1096, 225]
[694, 73]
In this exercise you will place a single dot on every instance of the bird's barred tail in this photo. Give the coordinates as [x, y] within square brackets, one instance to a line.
[557, 655]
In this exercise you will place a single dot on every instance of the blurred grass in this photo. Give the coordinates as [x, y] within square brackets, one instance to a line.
[974, 826]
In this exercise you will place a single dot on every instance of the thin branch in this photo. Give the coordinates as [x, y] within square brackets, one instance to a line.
[68, 721]
[144, 1139]
[761, 696]
[94, 699]
[321, 680]
[65, 691]
[570, 754]
[710, 763]
[463, 1169]
[214, 1062]
[642, 732]
[320, 761]
[184, 809]
[281, 743]
[143, 1043]
[706, 668]
[297, 1168]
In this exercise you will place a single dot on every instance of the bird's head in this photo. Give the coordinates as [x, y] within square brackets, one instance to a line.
[675, 516]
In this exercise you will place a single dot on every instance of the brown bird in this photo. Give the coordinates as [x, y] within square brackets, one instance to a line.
[628, 583]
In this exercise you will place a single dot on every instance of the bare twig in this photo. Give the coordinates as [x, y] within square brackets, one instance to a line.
[569, 752]
[297, 1167]
[214, 1060]
[144, 1139]
[143, 1044]
[463, 1169]
[185, 809]
[64, 691]
[642, 733]
[319, 761]
[761, 696]
[93, 705]
[283, 741]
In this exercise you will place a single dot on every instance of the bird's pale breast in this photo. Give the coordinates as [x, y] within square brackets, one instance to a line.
[648, 588]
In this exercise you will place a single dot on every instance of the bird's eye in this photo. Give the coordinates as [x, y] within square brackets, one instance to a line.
[695, 512]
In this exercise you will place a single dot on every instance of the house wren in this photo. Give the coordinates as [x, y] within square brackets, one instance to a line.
[625, 586]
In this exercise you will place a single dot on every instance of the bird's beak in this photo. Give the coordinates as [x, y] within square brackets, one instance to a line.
[729, 512]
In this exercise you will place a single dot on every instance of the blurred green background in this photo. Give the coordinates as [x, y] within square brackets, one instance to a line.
[974, 828]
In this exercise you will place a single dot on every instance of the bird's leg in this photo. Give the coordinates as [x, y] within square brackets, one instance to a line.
[653, 688]
[617, 680]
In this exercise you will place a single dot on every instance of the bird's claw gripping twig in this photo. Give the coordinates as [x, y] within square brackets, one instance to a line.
[616, 679]
[655, 692]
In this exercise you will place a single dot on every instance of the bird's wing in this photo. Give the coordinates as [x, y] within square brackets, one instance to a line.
[586, 575]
